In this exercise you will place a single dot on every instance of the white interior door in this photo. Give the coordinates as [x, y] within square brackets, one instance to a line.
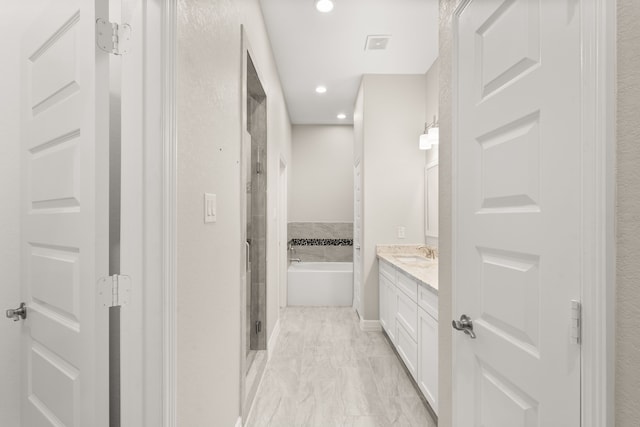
[517, 212]
[64, 151]
[357, 226]
[282, 233]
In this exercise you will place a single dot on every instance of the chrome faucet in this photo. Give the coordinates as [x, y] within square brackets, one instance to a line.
[295, 260]
[428, 252]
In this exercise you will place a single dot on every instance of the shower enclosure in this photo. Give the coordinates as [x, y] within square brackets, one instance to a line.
[256, 212]
[255, 176]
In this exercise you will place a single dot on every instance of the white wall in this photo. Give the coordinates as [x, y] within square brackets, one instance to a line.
[432, 91]
[432, 86]
[209, 263]
[16, 16]
[393, 112]
[628, 216]
[321, 174]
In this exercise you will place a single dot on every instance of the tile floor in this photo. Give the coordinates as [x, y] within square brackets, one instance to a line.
[326, 372]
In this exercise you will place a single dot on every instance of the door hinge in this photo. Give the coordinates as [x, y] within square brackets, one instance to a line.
[576, 322]
[258, 327]
[112, 37]
[114, 291]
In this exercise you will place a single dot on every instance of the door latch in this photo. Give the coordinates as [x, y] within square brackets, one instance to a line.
[465, 325]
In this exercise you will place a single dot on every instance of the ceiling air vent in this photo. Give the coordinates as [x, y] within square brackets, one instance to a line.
[377, 42]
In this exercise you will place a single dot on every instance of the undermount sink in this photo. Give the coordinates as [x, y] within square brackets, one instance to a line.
[410, 258]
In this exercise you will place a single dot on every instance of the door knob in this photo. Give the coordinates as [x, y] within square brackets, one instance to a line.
[17, 313]
[465, 325]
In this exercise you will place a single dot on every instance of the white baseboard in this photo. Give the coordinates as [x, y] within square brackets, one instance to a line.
[370, 325]
[273, 339]
[239, 422]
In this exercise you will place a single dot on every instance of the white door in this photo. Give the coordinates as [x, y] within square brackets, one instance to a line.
[64, 161]
[517, 212]
[282, 234]
[357, 224]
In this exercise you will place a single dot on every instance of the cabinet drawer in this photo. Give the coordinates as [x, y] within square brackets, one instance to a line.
[407, 315]
[428, 301]
[387, 270]
[408, 350]
[408, 286]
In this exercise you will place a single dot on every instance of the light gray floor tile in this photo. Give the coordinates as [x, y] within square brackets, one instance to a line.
[326, 372]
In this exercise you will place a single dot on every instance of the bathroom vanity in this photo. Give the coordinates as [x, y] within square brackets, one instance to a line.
[408, 284]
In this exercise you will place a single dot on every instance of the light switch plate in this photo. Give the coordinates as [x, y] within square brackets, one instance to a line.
[401, 232]
[209, 207]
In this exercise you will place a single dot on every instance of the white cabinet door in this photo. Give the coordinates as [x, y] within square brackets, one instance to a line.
[65, 223]
[428, 357]
[383, 301]
[391, 309]
[407, 314]
[408, 349]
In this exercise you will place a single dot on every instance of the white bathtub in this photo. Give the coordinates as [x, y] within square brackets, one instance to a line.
[320, 283]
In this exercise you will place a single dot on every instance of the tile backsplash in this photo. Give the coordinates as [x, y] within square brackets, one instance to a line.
[321, 241]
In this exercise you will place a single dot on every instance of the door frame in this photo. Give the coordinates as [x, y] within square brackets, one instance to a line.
[282, 225]
[168, 26]
[598, 39]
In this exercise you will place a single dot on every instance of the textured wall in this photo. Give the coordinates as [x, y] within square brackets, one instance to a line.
[209, 255]
[628, 216]
[393, 171]
[321, 174]
[445, 237]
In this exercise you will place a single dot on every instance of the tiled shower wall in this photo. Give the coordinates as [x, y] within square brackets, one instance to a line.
[321, 241]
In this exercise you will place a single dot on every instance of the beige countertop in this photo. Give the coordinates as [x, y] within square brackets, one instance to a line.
[411, 260]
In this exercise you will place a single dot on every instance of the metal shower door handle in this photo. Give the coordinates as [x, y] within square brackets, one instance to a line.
[465, 325]
[17, 313]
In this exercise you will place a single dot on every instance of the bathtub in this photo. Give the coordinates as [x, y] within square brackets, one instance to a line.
[320, 283]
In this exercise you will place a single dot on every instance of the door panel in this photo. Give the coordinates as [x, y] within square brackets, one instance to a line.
[517, 218]
[64, 95]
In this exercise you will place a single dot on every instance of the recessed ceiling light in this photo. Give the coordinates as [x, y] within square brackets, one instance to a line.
[324, 6]
[342, 116]
[321, 89]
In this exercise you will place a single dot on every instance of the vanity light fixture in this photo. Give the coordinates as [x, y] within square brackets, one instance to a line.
[341, 116]
[324, 6]
[321, 89]
[430, 136]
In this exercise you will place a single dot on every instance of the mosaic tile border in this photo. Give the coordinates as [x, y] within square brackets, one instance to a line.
[322, 242]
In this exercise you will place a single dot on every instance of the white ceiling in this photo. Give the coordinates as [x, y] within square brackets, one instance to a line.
[313, 48]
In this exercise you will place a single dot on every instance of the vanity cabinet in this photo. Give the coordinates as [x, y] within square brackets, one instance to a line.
[409, 316]
[389, 295]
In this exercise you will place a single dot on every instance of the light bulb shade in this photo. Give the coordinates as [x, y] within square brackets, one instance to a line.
[324, 5]
[425, 144]
[434, 136]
